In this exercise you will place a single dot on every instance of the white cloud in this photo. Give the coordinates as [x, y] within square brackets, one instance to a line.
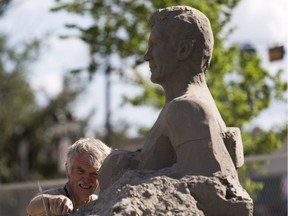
[261, 21]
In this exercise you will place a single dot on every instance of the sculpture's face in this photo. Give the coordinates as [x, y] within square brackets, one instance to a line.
[83, 178]
[161, 55]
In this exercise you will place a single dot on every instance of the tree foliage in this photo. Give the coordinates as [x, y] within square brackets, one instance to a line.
[3, 6]
[241, 87]
[30, 133]
[16, 99]
[239, 84]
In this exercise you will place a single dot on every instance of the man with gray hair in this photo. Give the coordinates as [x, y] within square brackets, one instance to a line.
[84, 159]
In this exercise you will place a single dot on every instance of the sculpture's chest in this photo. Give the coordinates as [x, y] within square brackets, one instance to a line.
[158, 151]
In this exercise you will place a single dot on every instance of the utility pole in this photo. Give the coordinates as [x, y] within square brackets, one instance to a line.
[108, 106]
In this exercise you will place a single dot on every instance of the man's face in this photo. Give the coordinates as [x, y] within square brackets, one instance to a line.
[161, 55]
[83, 179]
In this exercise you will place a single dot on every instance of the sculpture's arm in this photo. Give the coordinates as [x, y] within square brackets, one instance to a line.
[196, 136]
[187, 121]
[114, 164]
[196, 157]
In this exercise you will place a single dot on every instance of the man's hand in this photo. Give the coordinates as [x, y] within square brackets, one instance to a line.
[60, 204]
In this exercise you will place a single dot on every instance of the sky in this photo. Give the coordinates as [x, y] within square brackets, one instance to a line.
[261, 23]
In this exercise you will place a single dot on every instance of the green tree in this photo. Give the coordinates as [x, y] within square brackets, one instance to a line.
[242, 88]
[48, 126]
[3, 6]
[30, 133]
[16, 101]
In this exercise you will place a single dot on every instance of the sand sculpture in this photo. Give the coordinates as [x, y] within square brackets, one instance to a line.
[189, 147]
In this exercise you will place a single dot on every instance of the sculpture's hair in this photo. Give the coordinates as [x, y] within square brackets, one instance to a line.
[97, 150]
[188, 23]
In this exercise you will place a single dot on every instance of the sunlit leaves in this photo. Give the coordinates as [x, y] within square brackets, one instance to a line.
[242, 88]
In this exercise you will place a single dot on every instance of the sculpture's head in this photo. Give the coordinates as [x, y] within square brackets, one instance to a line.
[180, 34]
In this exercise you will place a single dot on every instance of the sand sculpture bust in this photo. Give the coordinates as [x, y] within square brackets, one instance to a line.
[189, 135]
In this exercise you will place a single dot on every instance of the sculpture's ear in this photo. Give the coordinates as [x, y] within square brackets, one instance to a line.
[184, 49]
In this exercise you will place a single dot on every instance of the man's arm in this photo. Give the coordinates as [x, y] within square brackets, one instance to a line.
[55, 204]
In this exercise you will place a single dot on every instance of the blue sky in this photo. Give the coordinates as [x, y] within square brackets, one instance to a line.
[261, 23]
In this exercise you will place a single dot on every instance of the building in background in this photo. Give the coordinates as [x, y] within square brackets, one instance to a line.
[272, 199]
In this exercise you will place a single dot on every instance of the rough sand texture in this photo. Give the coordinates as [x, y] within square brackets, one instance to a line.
[154, 193]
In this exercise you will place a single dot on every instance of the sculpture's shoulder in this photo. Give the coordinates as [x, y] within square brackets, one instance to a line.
[195, 105]
[186, 120]
[194, 111]
[186, 105]
[185, 112]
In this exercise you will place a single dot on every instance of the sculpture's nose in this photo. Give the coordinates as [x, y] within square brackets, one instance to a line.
[147, 55]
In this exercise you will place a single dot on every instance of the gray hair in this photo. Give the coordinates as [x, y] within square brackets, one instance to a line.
[97, 150]
[188, 23]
